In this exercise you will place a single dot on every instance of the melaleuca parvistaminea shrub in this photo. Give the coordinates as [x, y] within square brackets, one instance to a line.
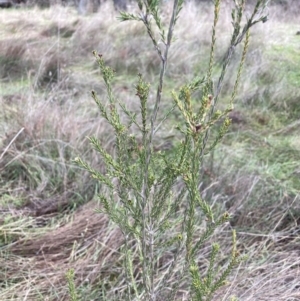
[154, 197]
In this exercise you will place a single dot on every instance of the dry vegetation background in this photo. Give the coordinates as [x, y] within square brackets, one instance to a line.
[47, 218]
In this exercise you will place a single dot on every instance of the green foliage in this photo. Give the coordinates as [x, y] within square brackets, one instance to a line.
[155, 197]
[71, 285]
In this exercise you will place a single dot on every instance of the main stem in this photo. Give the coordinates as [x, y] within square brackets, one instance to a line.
[148, 231]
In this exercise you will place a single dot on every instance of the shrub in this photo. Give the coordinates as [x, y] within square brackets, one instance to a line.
[154, 195]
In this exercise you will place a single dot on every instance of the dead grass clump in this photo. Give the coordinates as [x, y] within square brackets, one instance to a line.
[287, 10]
[36, 43]
[269, 276]
[239, 186]
[126, 49]
[45, 259]
[267, 221]
[12, 63]
[49, 70]
[40, 3]
[84, 225]
[93, 30]
[39, 158]
[55, 30]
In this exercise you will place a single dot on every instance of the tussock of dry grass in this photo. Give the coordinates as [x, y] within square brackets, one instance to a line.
[43, 260]
[39, 160]
[44, 91]
[275, 278]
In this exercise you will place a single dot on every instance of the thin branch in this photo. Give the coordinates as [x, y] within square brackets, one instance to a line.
[11, 142]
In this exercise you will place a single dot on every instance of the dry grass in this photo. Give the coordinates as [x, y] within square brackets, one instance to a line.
[48, 223]
[85, 242]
